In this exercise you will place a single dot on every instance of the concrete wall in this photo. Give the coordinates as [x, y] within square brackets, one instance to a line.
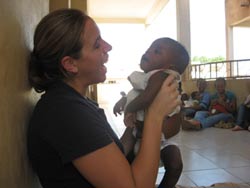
[18, 20]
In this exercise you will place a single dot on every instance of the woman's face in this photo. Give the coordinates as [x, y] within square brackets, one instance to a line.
[94, 54]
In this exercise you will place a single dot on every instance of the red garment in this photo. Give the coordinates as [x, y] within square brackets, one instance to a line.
[219, 108]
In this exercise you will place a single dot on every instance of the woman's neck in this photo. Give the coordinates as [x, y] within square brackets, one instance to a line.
[78, 86]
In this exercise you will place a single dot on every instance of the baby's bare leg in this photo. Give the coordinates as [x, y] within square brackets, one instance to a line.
[171, 158]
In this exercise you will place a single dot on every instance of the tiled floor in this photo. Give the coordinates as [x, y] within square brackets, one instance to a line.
[210, 156]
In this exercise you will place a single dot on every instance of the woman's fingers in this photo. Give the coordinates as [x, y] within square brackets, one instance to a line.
[167, 99]
[129, 120]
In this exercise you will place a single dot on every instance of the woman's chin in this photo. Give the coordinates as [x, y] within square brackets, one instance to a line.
[101, 79]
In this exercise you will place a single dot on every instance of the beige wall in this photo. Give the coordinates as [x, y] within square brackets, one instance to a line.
[18, 20]
[235, 12]
[236, 15]
[241, 88]
[57, 4]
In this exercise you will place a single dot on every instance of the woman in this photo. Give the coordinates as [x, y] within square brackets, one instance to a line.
[70, 143]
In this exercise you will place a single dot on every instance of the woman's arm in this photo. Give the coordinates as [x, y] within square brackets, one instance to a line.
[107, 167]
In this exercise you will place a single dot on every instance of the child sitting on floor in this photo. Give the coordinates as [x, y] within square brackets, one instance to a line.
[193, 100]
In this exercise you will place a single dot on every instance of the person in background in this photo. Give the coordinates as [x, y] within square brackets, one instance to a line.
[194, 100]
[204, 100]
[69, 140]
[243, 116]
[203, 119]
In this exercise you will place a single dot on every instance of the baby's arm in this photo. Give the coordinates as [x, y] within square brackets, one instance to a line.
[145, 98]
[171, 125]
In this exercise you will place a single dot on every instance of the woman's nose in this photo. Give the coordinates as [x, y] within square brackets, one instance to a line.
[107, 46]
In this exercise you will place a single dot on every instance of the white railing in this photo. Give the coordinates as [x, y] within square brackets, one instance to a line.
[236, 69]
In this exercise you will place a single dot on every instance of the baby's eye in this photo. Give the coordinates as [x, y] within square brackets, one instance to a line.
[157, 51]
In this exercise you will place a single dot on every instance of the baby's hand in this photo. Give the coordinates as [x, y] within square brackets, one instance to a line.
[129, 119]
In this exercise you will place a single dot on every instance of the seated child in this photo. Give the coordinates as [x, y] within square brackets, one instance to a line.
[165, 56]
[190, 110]
[193, 100]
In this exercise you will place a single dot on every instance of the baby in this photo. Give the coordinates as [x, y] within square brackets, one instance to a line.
[165, 56]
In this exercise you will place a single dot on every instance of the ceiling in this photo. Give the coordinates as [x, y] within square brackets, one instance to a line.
[124, 10]
[131, 11]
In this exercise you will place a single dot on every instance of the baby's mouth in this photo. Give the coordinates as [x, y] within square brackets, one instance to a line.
[144, 59]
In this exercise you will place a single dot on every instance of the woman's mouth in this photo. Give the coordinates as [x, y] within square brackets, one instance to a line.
[105, 57]
[103, 69]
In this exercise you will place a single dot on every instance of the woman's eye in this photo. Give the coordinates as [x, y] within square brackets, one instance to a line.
[97, 45]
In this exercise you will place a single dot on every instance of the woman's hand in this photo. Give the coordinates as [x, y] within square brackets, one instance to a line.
[166, 100]
[130, 119]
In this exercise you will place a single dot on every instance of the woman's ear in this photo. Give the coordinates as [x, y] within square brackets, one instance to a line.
[69, 64]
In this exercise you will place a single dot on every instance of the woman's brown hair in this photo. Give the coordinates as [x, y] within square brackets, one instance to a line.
[57, 35]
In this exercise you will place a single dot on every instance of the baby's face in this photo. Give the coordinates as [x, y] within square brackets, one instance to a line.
[158, 56]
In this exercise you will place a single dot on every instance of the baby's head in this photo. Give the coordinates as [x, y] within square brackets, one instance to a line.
[165, 53]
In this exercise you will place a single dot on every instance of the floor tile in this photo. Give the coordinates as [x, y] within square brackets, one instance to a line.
[194, 161]
[185, 181]
[224, 160]
[209, 177]
[242, 172]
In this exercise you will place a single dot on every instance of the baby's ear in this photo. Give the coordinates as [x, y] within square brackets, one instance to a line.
[172, 67]
[69, 64]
